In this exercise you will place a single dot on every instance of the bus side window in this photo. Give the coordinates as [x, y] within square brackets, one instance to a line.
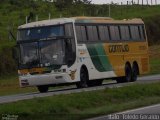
[124, 30]
[71, 43]
[95, 33]
[103, 33]
[114, 32]
[135, 32]
[92, 33]
[69, 30]
[81, 34]
[141, 31]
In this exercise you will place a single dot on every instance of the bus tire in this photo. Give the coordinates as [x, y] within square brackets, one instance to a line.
[95, 83]
[120, 79]
[83, 78]
[128, 73]
[135, 72]
[99, 82]
[42, 89]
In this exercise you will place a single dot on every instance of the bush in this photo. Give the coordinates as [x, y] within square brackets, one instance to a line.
[7, 64]
[153, 29]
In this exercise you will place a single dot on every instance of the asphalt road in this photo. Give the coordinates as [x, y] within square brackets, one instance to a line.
[73, 89]
[144, 113]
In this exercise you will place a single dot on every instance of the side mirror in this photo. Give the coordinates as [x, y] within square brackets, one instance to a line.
[15, 53]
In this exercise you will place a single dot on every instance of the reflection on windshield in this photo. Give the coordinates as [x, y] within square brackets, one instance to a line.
[52, 52]
[29, 52]
[44, 53]
[40, 32]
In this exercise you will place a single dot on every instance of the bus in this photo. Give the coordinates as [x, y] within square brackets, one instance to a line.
[81, 50]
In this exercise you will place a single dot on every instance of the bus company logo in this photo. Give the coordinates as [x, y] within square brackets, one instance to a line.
[118, 48]
[72, 74]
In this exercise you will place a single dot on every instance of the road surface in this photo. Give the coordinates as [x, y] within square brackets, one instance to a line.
[73, 89]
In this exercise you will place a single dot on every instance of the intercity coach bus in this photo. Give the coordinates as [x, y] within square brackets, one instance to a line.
[81, 50]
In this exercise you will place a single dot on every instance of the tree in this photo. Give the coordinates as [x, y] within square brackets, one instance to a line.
[82, 1]
[61, 4]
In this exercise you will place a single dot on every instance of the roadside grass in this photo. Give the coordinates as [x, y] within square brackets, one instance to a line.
[10, 85]
[154, 54]
[86, 104]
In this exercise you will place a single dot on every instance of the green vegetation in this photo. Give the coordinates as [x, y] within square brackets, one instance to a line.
[86, 104]
[154, 54]
[10, 85]
[13, 13]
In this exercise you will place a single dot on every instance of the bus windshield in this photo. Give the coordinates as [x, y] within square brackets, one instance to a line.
[43, 53]
[40, 32]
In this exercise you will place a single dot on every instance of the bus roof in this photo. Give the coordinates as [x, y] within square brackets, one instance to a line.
[46, 23]
[82, 19]
[107, 20]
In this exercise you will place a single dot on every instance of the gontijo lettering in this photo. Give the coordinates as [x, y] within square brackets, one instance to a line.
[118, 48]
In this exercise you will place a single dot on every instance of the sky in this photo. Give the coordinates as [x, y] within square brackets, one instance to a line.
[124, 1]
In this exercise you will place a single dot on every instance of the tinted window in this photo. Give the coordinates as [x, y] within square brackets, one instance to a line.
[69, 30]
[81, 33]
[125, 34]
[103, 32]
[142, 33]
[114, 32]
[78, 33]
[92, 33]
[134, 32]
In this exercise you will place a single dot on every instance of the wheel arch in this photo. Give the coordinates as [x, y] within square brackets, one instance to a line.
[128, 63]
[84, 67]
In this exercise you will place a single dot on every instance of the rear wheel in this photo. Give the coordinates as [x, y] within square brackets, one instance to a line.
[135, 72]
[83, 78]
[42, 89]
[128, 75]
[120, 79]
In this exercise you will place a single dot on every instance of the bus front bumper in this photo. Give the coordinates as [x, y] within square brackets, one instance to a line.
[45, 79]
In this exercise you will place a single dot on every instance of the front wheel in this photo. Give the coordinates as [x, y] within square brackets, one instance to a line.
[42, 89]
[93, 83]
[83, 79]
